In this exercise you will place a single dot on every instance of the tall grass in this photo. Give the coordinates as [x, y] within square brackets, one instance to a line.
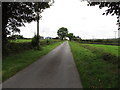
[106, 52]
[94, 71]
[107, 48]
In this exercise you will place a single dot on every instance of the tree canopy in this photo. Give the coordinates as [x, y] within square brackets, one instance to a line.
[113, 8]
[16, 37]
[62, 32]
[70, 36]
[15, 14]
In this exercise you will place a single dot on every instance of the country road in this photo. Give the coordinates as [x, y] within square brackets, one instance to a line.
[57, 69]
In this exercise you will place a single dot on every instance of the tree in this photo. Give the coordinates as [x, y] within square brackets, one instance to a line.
[62, 32]
[15, 14]
[70, 36]
[38, 12]
[56, 38]
[113, 8]
[16, 37]
[35, 42]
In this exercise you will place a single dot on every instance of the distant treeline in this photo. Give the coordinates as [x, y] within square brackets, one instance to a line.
[14, 37]
[102, 41]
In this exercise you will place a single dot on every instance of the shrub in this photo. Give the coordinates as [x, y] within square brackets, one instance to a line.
[110, 58]
[101, 54]
[47, 42]
[15, 47]
[12, 48]
[35, 42]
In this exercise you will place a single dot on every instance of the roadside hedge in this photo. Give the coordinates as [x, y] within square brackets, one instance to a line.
[13, 47]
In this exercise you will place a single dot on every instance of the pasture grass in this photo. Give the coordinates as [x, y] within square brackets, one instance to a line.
[21, 40]
[14, 63]
[29, 40]
[107, 48]
[108, 53]
[94, 71]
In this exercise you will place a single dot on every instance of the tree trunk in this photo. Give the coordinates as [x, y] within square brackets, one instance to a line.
[62, 38]
[38, 25]
[38, 31]
[4, 31]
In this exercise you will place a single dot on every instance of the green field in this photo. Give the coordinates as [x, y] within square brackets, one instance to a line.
[21, 40]
[101, 41]
[107, 48]
[95, 72]
[29, 40]
[14, 63]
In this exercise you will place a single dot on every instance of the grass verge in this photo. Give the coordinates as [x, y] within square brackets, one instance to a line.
[94, 71]
[107, 48]
[14, 63]
[108, 53]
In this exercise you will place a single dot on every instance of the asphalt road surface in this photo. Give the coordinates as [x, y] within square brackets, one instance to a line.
[57, 69]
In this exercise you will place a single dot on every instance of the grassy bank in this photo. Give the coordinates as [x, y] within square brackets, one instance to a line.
[14, 63]
[101, 41]
[94, 71]
[107, 48]
[108, 53]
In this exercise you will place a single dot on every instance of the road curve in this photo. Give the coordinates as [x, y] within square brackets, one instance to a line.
[55, 70]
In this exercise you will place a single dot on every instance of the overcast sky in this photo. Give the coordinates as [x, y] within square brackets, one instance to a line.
[80, 19]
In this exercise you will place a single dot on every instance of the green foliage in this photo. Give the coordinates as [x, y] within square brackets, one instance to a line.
[94, 71]
[13, 48]
[35, 42]
[47, 41]
[62, 33]
[110, 58]
[20, 40]
[15, 14]
[20, 45]
[77, 38]
[14, 63]
[16, 37]
[104, 53]
[107, 48]
[113, 8]
[70, 36]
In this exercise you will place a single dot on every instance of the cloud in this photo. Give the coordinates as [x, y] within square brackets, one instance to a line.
[80, 19]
